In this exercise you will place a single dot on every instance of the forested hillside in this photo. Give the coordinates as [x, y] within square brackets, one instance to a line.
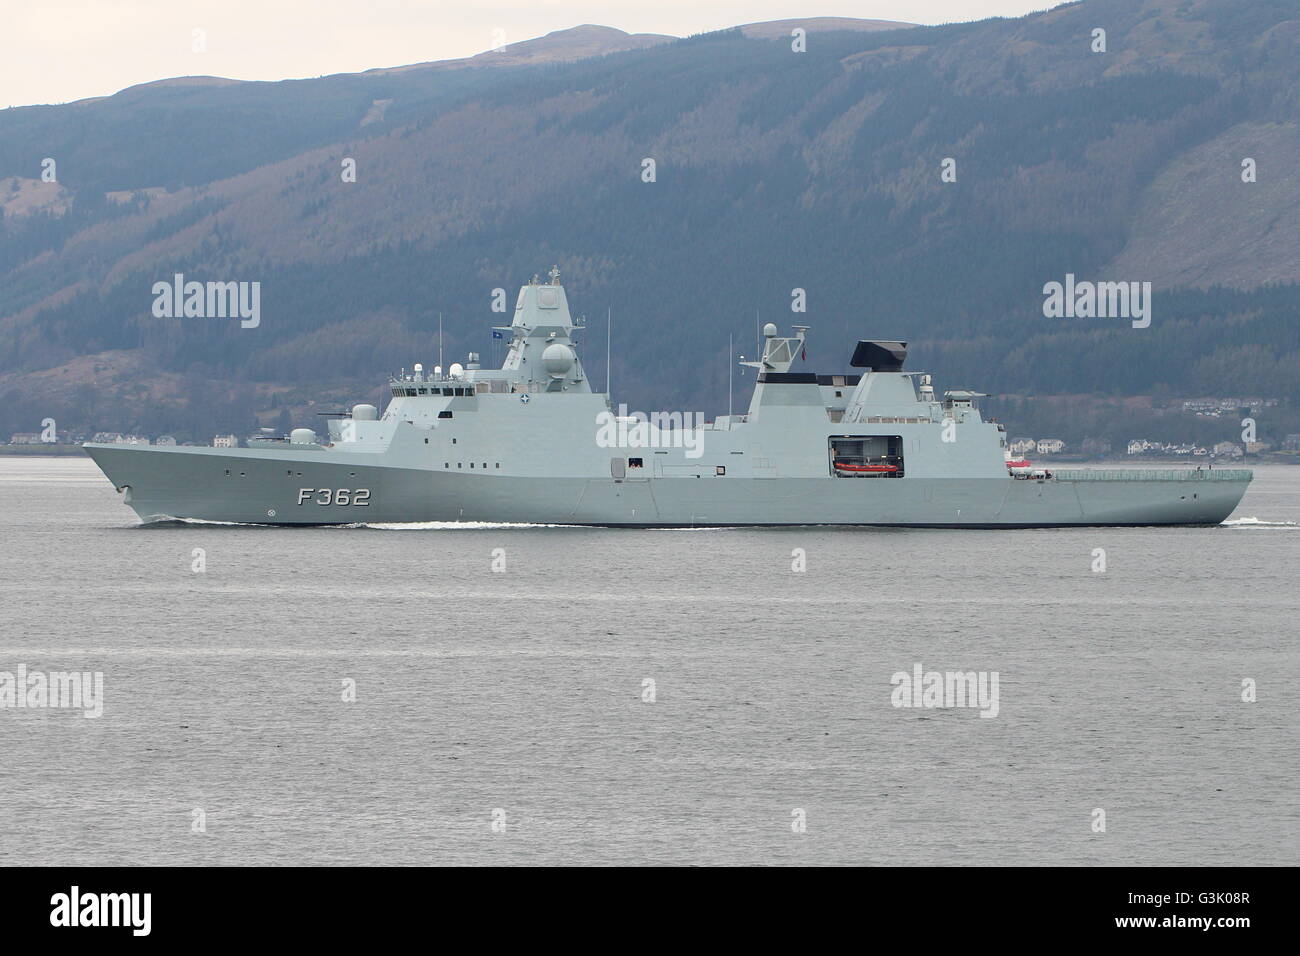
[775, 170]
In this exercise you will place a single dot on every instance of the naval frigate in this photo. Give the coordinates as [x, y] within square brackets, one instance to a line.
[532, 442]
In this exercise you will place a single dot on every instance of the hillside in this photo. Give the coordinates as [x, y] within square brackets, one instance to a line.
[775, 170]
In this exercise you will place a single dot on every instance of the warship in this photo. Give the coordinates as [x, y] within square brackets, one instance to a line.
[531, 442]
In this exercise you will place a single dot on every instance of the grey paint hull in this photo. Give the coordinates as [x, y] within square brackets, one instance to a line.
[267, 487]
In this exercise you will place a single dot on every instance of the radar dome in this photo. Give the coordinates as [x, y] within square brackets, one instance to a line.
[456, 370]
[558, 359]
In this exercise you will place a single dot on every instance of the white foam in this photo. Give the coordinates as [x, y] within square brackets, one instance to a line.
[167, 519]
[1253, 522]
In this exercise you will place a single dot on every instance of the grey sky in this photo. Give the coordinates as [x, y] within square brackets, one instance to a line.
[53, 51]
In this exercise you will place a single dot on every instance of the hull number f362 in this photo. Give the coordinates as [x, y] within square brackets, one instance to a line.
[334, 496]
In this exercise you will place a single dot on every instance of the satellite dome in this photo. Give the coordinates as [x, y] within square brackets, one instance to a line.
[456, 370]
[558, 359]
[769, 330]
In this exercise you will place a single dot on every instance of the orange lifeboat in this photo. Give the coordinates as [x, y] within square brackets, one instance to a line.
[854, 469]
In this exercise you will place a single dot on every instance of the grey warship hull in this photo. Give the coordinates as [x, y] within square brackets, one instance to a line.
[166, 483]
[532, 443]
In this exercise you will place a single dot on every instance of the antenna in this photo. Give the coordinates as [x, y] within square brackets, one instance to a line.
[730, 355]
[609, 325]
[440, 339]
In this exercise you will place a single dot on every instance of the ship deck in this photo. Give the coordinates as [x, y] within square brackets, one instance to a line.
[1151, 474]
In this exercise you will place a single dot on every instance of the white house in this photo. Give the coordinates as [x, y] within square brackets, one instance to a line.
[225, 441]
[1050, 446]
[165, 440]
[1023, 446]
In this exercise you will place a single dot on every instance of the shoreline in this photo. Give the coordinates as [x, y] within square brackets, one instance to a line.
[43, 451]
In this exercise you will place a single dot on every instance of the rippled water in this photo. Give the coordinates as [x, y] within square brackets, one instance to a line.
[521, 691]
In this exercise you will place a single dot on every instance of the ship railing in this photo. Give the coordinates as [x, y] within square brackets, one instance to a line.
[412, 389]
[1151, 474]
